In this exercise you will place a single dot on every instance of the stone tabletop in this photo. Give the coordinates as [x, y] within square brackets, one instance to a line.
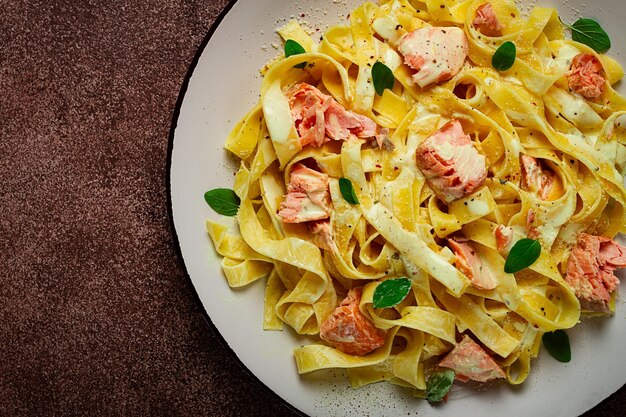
[97, 316]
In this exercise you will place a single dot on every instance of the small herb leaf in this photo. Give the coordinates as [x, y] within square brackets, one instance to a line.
[557, 345]
[522, 255]
[382, 76]
[294, 48]
[439, 384]
[347, 191]
[589, 32]
[504, 57]
[390, 292]
[223, 200]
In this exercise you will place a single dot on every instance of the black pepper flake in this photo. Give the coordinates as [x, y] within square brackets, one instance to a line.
[398, 27]
[442, 6]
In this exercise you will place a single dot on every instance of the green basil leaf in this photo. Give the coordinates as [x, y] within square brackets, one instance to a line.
[347, 191]
[522, 255]
[589, 32]
[557, 345]
[294, 48]
[382, 77]
[504, 57]
[390, 292]
[223, 200]
[439, 384]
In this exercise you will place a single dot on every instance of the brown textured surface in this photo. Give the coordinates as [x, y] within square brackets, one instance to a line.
[96, 314]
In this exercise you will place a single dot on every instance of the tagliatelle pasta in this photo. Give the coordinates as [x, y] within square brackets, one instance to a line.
[450, 166]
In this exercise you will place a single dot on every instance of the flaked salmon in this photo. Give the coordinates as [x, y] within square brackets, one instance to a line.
[535, 178]
[504, 236]
[319, 118]
[435, 53]
[486, 21]
[532, 231]
[586, 76]
[308, 196]
[468, 262]
[590, 270]
[349, 330]
[321, 233]
[452, 166]
[470, 361]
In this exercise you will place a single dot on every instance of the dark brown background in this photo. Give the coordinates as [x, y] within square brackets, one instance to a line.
[97, 316]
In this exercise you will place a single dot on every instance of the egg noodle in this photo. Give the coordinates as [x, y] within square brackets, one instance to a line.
[399, 227]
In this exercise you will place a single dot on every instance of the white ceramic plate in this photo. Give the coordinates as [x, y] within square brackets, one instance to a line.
[224, 84]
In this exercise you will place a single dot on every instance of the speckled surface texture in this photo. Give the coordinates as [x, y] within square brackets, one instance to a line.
[97, 316]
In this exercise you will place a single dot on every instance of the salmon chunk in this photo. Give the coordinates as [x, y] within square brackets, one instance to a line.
[590, 270]
[532, 231]
[349, 330]
[470, 361]
[535, 178]
[435, 53]
[319, 118]
[468, 262]
[586, 76]
[340, 123]
[452, 166]
[321, 234]
[504, 236]
[486, 21]
[308, 197]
